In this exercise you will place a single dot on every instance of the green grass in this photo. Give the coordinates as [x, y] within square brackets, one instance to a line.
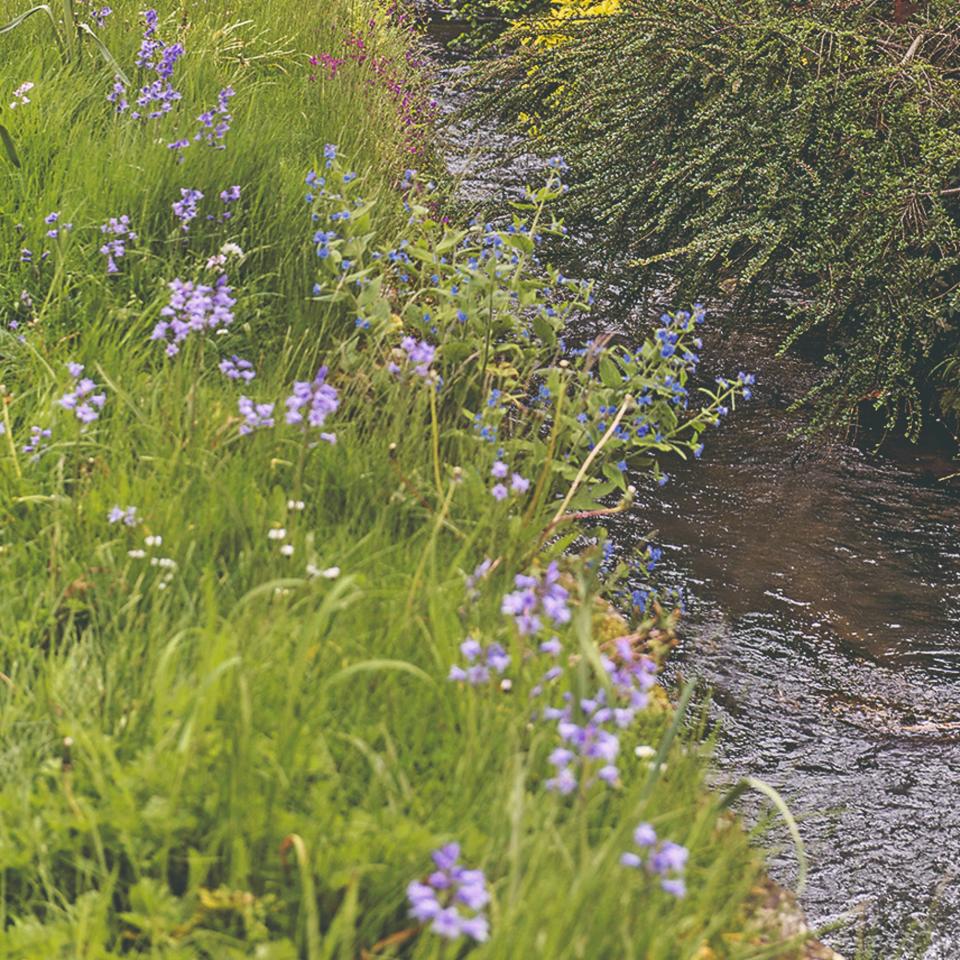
[240, 760]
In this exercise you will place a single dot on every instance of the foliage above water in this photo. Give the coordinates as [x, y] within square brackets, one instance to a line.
[747, 149]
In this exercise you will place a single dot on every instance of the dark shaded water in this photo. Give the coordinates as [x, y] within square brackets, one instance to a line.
[824, 611]
[823, 595]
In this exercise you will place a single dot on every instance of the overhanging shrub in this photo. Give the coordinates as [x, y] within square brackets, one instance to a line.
[747, 148]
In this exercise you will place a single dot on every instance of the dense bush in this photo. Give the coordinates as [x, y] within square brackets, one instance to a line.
[767, 147]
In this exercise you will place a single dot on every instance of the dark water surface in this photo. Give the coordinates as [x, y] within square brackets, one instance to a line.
[823, 611]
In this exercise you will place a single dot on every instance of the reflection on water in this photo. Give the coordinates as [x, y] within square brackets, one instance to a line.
[823, 590]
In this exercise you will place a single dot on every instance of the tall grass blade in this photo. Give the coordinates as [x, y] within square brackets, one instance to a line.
[376, 666]
[752, 783]
[108, 57]
[311, 916]
[70, 28]
[666, 742]
[40, 8]
[8, 145]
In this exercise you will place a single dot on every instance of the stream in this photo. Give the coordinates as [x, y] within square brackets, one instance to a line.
[822, 586]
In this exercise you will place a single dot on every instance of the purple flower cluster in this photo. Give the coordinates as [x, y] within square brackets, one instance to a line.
[587, 745]
[518, 483]
[185, 209]
[447, 893]
[236, 369]
[99, 17]
[157, 97]
[118, 96]
[119, 233]
[594, 740]
[534, 598]
[215, 123]
[255, 415]
[480, 661]
[194, 308]
[51, 219]
[415, 111]
[82, 400]
[319, 400]
[419, 354]
[127, 516]
[227, 197]
[632, 677]
[664, 859]
[37, 443]
[474, 579]
[333, 64]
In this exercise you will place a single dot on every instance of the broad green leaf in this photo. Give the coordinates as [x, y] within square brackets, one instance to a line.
[8, 145]
[609, 373]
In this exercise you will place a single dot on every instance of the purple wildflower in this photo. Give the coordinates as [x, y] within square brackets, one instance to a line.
[237, 369]
[127, 516]
[447, 893]
[215, 123]
[534, 597]
[194, 308]
[52, 218]
[82, 400]
[645, 835]
[119, 234]
[37, 443]
[157, 97]
[118, 96]
[479, 573]
[519, 484]
[480, 661]
[255, 415]
[420, 353]
[185, 209]
[665, 859]
[318, 398]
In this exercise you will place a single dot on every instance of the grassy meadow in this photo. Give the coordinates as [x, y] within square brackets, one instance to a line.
[238, 705]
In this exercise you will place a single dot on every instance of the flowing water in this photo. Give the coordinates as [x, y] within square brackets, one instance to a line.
[822, 589]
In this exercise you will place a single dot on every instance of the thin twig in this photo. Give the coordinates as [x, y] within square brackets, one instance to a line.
[582, 472]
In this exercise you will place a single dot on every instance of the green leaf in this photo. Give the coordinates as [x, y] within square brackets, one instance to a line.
[615, 476]
[7, 141]
[543, 329]
[456, 351]
[609, 374]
